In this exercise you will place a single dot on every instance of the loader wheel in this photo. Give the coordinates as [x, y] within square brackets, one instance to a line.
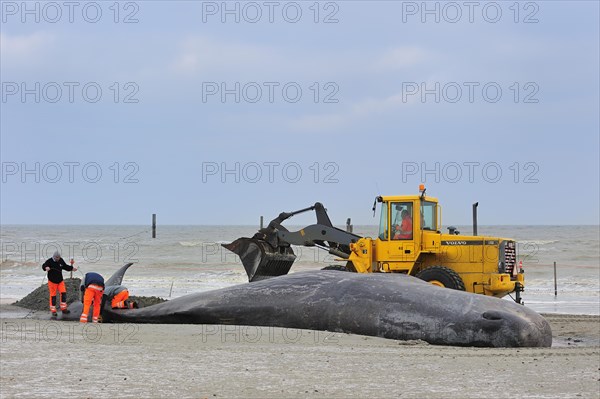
[442, 277]
[339, 268]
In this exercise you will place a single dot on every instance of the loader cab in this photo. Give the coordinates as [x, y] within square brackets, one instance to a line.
[402, 223]
[402, 217]
[395, 222]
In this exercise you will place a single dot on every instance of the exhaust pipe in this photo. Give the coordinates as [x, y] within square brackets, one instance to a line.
[475, 218]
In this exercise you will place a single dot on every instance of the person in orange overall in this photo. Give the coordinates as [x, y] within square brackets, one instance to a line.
[119, 297]
[93, 288]
[405, 228]
[54, 266]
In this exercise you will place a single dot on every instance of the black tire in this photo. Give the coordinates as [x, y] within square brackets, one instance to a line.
[339, 268]
[446, 277]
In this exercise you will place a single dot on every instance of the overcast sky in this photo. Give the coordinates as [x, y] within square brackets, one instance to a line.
[217, 113]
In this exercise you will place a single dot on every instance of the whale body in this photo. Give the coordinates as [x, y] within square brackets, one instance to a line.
[395, 306]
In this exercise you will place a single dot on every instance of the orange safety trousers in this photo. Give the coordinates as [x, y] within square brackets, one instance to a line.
[93, 293]
[118, 301]
[53, 287]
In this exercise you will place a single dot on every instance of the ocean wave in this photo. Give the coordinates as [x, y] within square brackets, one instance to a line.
[9, 264]
[537, 242]
[6, 264]
[592, 257]
[201, 243]
[190, 243]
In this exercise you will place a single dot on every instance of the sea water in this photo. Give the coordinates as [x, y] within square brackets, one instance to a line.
[186, 259]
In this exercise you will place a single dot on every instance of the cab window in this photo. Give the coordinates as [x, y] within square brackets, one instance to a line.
[428, 216]
[383, 224]
[401, 217]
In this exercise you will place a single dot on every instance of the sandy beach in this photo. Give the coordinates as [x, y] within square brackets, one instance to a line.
[65, 359]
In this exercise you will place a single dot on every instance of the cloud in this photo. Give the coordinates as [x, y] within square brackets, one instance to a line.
[200, 54]
[204, 54]
[356, 112]
[314, 123]
[400, 58]
[24, 50]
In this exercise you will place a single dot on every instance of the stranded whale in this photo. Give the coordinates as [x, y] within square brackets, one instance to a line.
[397, 307]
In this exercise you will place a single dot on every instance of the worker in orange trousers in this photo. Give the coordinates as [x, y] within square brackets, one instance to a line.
[54, 266]
[92, 289]
[118, 296]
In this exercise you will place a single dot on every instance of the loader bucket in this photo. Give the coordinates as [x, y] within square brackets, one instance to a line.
[260, 259]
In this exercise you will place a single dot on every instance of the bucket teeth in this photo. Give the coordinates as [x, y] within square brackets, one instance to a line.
[260, 259]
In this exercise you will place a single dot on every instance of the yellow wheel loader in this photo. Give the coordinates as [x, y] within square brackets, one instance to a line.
[409, 241]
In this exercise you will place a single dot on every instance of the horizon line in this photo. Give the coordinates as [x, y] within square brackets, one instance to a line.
[248, 225]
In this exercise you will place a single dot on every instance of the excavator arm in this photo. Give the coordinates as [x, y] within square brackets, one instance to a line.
[269, 253]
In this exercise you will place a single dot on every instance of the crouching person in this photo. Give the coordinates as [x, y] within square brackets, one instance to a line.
[118, 296]
[92, 289]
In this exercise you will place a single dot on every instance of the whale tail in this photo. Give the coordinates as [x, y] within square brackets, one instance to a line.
[260, 259]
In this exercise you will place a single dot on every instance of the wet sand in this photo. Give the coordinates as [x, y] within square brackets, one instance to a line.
[66, 359]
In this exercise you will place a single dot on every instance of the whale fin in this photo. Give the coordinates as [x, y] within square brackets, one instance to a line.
[117, 277]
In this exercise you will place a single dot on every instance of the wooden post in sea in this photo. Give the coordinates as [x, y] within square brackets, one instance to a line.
[261, 222]
[154, 225]
[555, 290]
[349, 226]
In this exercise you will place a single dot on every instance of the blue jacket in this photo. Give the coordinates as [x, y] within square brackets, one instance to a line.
[93, 278]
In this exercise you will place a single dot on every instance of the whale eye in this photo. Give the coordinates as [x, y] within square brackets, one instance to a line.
[492, 316]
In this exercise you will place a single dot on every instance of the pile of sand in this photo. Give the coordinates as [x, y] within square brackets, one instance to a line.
[144, 301]
[38, 299]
